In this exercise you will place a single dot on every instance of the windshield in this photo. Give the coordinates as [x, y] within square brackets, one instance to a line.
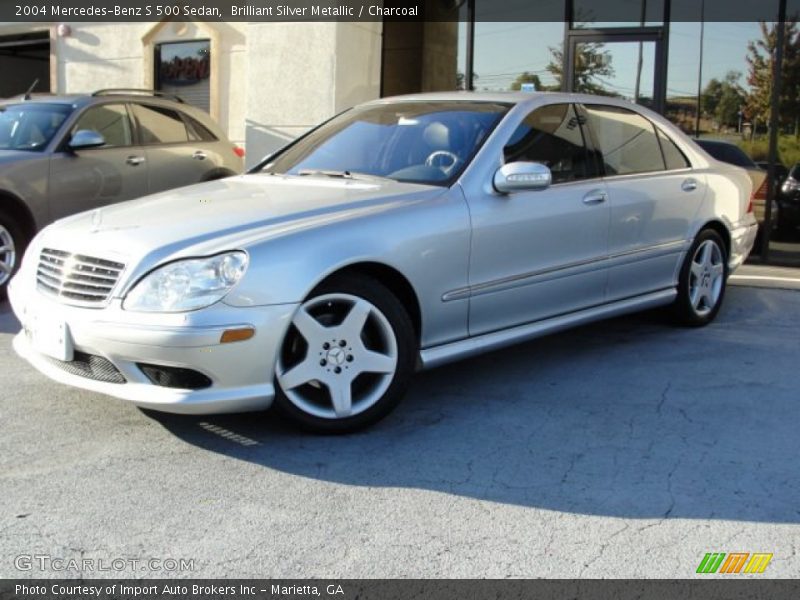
[30, 126]
[422, 142]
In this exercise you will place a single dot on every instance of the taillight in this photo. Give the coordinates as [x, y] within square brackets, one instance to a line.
[238, 151]
[761, 192]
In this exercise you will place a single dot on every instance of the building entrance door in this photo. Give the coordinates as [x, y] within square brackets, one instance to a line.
[626, 65]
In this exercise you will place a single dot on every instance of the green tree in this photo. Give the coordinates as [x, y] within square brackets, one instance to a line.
[527, 77]
[592, 64]
[723, 100]
[760, 66]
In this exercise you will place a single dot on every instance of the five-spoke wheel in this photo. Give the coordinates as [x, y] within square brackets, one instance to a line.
[12, 245]
[702, 280]
[346, 355]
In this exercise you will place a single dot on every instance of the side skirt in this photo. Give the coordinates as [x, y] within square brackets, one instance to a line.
[439, 355]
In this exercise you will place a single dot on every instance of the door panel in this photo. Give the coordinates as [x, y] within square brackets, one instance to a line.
[651, 207]
[650, 218]
[87, 179]
[538, 254]
[173, 160]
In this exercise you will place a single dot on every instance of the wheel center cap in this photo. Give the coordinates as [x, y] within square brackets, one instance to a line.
[336, 356]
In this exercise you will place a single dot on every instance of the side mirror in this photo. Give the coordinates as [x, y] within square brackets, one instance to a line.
[522, 176]
[86, 138]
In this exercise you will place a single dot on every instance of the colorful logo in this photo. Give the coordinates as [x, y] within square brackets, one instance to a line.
[736, 562]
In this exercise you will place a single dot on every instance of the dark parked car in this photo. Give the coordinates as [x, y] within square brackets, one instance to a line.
[61, 155]
[781, 172]
[789, 201]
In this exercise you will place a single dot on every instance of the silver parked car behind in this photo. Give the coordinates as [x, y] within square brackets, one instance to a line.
[65, 154]
[402, 234]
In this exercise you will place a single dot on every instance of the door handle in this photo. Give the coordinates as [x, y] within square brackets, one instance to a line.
[689, 185]
[134, 161]
[595, 197]
[199, 155]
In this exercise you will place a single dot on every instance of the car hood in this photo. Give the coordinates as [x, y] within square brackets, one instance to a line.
[223, 215]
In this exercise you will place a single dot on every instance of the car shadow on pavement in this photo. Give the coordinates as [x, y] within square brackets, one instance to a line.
[630, 418]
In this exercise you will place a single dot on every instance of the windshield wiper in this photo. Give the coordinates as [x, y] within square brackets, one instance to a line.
[341, 174]
[326, 173]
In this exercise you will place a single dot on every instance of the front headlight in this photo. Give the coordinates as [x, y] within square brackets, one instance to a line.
[187, 284]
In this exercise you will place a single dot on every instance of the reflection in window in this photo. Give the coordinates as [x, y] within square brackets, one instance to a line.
[619, 69]
[673, 157]
[111, 121]
[514, 55]
[720, 87]
[627, 140]
[184, 69]
[159, 125]
[552, 135]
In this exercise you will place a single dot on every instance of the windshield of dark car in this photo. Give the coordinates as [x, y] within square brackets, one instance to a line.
[30, 126]
[427, 142]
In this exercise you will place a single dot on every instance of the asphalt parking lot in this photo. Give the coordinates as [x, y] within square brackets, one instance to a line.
[623, 449]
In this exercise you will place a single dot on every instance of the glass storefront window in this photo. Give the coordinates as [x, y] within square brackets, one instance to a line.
[621, 69]
[184, 69]
[510, 54]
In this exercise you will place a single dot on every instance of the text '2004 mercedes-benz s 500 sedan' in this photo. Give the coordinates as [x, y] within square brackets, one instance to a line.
[400, 235]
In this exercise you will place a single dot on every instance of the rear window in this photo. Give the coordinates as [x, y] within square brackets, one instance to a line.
[160, 125]
[197, 131]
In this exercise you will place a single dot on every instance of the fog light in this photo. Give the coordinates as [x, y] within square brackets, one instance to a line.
[237, 335]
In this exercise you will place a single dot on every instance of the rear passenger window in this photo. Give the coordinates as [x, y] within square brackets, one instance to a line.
[672, 154]
[197, 131]
[626, 139]
[159, 125]
[553, 135]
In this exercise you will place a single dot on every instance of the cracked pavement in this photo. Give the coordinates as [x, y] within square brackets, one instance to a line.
[628, 448]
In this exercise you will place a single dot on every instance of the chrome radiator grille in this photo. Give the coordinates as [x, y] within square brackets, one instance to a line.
[77, 278]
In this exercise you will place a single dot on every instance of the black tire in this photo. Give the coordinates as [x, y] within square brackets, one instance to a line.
[10, 229]
[366, 288]
[686, 311]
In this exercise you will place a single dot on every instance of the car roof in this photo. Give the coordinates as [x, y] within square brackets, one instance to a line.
[510, 98]
[80, 100]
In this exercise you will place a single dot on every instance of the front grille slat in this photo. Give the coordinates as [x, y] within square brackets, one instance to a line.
[80, 279]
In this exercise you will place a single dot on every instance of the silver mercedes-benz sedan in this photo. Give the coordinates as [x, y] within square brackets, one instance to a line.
[400, 235]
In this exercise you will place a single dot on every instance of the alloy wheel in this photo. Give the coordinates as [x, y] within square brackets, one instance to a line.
[339, 357]
[8, 255]
[706, 277]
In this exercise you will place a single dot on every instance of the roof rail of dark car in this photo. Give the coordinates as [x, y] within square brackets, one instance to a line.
[113, 91]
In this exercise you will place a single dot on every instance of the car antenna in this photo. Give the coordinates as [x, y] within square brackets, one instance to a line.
[27, 95]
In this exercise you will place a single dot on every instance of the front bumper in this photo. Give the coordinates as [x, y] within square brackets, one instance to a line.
[241, 373]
